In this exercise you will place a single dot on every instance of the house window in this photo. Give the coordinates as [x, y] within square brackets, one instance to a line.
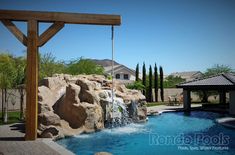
[126, 76]
[117, 76]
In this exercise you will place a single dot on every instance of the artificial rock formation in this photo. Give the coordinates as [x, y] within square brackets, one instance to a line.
[71, 105]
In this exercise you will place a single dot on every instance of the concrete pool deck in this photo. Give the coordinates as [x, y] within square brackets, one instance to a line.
[12, 143]
[154, 110]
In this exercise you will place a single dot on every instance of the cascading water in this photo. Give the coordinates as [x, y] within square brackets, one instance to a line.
[133, 108]
[116, 111]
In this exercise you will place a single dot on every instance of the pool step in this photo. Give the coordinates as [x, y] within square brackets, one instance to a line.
[227, 121]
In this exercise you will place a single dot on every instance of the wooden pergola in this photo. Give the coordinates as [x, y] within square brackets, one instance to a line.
[33, 41]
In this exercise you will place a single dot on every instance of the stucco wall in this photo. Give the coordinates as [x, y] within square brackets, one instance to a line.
[172, 92]
[178, 91]
[13, 95]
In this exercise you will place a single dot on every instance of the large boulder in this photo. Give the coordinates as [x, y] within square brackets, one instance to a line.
[50, 132]
[49, 118]
[46, 99]
[79, 114]
[94, 120]
[54, 83]
[71, 105]
[69, 109]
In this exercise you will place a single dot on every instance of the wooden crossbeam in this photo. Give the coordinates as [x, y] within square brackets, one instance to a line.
[15, 31]
[50, 32]
[70, 18]
[33, 42]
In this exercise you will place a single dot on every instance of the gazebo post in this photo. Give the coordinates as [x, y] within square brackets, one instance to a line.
[187, 99]
[32, 81]
[222, 97]
[232, 102]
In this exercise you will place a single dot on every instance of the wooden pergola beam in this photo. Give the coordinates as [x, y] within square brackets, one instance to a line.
[15, 31]
[49, 33]
[70, 18]
[33, 42]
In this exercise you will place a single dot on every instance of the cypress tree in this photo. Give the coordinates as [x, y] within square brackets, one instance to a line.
[150, 94]
[155, 83]
[137, 73]
[144, 78]
[161, 84]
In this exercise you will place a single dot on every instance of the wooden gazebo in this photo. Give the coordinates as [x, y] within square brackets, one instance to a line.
[33, 41]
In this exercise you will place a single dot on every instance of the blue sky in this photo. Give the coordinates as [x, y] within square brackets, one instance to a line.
[180, 35]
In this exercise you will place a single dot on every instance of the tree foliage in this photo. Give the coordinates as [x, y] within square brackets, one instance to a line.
[20, 64]
[161, 84]
[84, 66]
[136, 85]
[137, 73]
[49, 66]
[8, 72]
[217, 69]
[144, 78]
[150, 88]
[155, 83]
[171, 81]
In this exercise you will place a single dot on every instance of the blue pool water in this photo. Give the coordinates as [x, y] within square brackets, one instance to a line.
[169, 133]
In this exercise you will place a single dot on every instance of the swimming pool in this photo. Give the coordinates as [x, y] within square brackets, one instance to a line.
[169, 133]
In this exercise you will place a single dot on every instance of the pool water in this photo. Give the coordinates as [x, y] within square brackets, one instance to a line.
[169, 133]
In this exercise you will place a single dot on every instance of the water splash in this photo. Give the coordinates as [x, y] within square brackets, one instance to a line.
[116, 111]
[128, 129]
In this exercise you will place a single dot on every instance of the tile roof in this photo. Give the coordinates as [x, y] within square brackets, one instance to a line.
[116, 68]
[227, 79]
[109, 68]
[187, 73]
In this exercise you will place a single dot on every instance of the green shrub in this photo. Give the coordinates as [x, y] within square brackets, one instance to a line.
[136, 85]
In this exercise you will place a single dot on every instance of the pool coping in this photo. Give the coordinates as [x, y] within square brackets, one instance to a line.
[58, 148]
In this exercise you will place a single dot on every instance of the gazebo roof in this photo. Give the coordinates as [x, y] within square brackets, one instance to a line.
[221, 81]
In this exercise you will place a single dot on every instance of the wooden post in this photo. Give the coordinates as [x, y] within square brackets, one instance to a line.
[32, 81]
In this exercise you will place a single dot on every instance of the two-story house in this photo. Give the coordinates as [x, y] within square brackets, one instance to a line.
[121, 72]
